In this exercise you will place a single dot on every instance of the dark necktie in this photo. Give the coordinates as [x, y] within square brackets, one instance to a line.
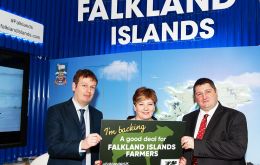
[82, 124]
[200, 134]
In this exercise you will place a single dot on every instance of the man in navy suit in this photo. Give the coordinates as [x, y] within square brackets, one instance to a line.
[66, 146]
[224, 141]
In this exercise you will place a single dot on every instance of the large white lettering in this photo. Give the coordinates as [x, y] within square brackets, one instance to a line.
[176, 7]
[131, 8]
[194, 30]
[81, 9]
[114, 13]
[177, 30]
[99, 5]
[217, 5]
[125, 34]
[203, 4]
[172, 32]
[209, 31]
[150, 11]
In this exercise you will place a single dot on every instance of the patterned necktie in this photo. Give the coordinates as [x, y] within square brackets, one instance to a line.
[202, 128]
[82, 124]
[200, 134]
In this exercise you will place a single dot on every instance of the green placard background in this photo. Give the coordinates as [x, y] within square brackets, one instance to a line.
[135, 142]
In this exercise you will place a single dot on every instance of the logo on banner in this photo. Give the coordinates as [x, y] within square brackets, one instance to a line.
[61, 74]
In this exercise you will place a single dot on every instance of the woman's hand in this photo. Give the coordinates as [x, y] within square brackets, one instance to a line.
[98, 162]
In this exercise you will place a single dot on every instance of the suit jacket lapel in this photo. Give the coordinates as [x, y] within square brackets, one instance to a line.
[91, 118]
[214, 120]
[194, 121]
[72, 112]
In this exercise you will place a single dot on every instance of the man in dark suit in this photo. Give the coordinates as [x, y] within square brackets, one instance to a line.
[67, 144]
[223, 140]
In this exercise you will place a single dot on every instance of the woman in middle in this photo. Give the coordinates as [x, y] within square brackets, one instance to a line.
[144, 101]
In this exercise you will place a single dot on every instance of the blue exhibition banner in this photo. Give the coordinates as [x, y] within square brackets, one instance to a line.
[164, 21]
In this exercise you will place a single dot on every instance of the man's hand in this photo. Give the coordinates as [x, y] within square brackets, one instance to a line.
[90, 141]
[182, 161]
[187, 142]
[98, 162]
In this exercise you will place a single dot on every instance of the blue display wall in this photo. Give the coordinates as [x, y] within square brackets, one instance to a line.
[65, 35]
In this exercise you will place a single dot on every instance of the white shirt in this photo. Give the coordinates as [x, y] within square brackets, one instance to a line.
[87, 126]
[200, 117]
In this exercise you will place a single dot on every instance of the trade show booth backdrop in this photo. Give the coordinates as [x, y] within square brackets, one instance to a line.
[113, 28]
[171, 73]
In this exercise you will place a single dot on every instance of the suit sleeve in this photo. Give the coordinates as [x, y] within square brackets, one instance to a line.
[230, 144]
[58, 146]
[187, 153]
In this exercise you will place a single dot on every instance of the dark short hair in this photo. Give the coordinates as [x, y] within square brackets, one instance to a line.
[85, 73]
[202, 81]
[144, 93]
